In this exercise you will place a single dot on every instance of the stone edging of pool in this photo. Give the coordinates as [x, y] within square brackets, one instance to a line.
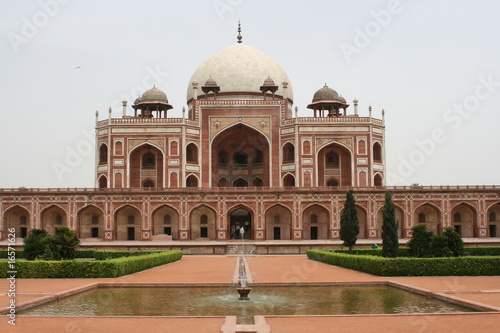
[446, 297]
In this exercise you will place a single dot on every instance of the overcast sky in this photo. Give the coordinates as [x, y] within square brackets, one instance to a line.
[433, 66]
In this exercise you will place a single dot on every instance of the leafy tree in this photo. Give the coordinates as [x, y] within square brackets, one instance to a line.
[439, 246]
[349, 223]
[420, 242]
[35, 243]
[390, 242]
[455, 242]
[65, 242]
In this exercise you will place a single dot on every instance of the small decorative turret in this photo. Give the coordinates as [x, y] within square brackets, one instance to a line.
[210, 86]
[268, 85]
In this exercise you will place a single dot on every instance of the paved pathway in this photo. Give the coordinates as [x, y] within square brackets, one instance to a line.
[219, 270]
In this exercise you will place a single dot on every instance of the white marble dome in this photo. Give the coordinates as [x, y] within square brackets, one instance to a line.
[240, 68]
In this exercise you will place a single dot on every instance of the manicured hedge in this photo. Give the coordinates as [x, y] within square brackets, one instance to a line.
[89, 269]
[113, 254]
[79, 254]
[453, 266]
[405, 251]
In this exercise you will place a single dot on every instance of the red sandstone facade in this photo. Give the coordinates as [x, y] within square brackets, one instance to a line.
[239, 158]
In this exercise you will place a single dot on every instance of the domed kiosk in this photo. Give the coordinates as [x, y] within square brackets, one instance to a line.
[327, 99]
[153, 100]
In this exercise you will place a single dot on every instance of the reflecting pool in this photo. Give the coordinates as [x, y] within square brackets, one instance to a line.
[223, 301]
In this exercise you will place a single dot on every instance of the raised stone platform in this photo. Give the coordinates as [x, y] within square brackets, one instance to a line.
[270, 247]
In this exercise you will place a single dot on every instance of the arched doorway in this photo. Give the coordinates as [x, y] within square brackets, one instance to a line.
[429, 216]
[166, 222]
[278, 223]
[18, 218]
[52, 218]
[493, 217]
[240, 218]
[315, 222]
[91, 222]
[463, 218]
[128, 223]
[203, 223]
[240, 152]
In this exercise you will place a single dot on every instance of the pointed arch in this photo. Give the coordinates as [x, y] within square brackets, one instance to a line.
[90, 222]
[146, 160]
[432, 215]
[240, 216]
[257, 182]
[278, 228]
[464, 219]
[19, 218]
[223, 182]
[52, 217]
[128, 223]
[103, 181]
[103, 154]
[203, 222]
[334, 159]
[192, 153]
[377, 152]
[240, 150]
[288, 180]
[315, 222]
[192, 181]
[288, 150]
[165, 221]
[378, 180]
[493, 218]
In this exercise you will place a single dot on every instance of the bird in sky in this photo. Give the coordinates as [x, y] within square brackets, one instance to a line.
[78, 67]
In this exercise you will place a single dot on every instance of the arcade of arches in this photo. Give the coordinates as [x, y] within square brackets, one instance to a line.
[263, 215]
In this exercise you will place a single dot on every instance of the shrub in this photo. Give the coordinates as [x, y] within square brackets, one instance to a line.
[65, 243]
[420, 242]
[455, 242]
[35, 243]
[439, 246]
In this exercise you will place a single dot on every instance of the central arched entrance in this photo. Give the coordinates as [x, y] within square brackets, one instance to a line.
[334, 166]
[240, 218]
[240, 158]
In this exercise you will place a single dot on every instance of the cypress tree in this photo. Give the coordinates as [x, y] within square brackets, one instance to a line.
[390, 242]
[349, 224]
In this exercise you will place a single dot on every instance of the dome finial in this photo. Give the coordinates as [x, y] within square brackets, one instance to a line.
[239, 32]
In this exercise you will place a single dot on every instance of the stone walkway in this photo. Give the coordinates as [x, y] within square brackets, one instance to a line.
[219, 270]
